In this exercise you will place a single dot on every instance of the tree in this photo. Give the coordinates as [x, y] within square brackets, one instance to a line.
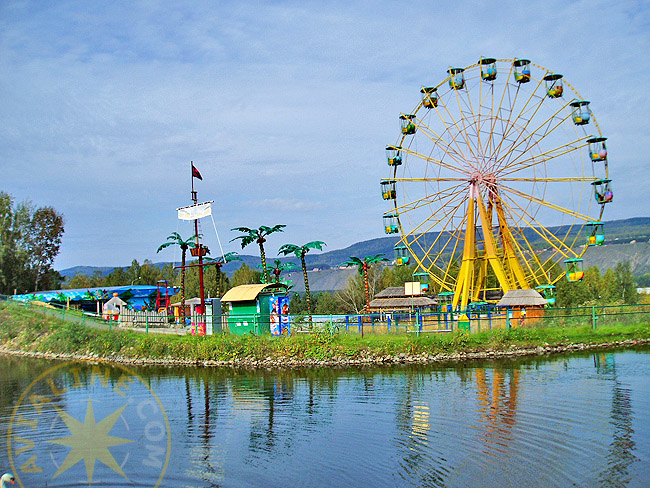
[245, 276]
[259, 236]
[625, 283]
[301, 251]
[174, 239]
[44, 240]
[218, 264]
[327, 303]
[30, 240]
[395, 276]
[363, 266]
[79, 280]
[352, 297]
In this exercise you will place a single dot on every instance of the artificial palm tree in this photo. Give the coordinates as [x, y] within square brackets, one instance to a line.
[363, 265]
[300, 252]
[175, 239]
[218, 264]
[279, 267]
[257, 235]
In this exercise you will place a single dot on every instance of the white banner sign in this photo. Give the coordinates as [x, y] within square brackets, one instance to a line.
[194, 212]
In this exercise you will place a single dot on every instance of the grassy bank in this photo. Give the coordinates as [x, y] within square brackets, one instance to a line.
[27, 331]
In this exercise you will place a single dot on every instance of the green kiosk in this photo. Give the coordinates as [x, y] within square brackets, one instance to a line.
[253, 309]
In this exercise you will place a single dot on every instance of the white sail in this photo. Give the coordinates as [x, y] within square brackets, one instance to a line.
[193, 212]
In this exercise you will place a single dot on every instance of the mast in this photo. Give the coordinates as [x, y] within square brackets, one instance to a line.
[198, 245]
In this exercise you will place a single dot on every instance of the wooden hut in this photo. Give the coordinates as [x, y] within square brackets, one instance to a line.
[524, 306]
[396, 298]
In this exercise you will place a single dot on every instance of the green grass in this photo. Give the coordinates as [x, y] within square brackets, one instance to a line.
[26, 330]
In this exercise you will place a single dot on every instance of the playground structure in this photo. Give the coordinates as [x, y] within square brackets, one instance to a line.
[486, 161]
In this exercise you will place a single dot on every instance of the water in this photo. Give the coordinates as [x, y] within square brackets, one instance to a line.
[579, 420]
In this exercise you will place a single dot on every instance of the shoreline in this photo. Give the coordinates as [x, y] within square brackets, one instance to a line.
[279, 363]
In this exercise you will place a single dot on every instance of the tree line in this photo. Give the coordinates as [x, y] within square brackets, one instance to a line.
[30, 239]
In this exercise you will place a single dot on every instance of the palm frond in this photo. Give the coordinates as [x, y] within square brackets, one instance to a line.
[289, 249]
[314, 245]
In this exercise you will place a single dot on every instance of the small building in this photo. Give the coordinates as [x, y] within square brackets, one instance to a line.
[191, 304]
[113, 307]
[256, 309]
[396, 298]
[523, 305]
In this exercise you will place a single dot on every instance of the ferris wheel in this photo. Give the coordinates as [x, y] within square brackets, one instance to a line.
[498, 181]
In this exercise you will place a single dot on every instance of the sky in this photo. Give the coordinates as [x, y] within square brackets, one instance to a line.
[284, 107]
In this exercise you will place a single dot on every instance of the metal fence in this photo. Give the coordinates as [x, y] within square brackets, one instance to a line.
[487, 318]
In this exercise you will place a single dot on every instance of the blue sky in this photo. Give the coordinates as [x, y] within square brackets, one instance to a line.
[284, 107]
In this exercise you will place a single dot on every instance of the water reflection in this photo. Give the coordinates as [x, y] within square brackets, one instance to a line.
[561, 421]
[621, 448]
[497, 407]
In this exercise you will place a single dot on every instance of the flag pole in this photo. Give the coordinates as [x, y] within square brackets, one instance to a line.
[198, 245]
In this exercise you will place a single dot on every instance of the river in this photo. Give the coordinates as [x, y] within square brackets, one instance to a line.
[574, 420]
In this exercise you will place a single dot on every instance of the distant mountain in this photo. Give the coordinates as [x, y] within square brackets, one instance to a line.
[626, 240]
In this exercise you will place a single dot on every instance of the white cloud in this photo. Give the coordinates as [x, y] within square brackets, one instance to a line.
[104, 105]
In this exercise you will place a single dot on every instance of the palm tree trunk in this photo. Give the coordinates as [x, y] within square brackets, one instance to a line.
[263, 257]
[182, 314]
[218, 291]
[366, 286]
[307, 293]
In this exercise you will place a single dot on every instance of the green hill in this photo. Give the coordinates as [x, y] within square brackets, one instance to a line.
[626, 240]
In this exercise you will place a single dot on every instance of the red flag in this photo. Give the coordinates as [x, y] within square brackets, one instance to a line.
[196, 174]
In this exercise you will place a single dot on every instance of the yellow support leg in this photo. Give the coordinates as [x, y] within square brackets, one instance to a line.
[490, 246]
[463, 284]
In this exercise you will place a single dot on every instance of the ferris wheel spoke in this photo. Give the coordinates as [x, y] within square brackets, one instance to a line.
[544, 157]
[455, 150]
[533, 224]
[473, 150]
[447, 127]
[549, 180]
[530, 139]
[512, 124]
[433, 179]
[522, 242]
[428, 159]
[452, 235]
[447, 146]
[546, 204]
[443, 196]
[432, 223]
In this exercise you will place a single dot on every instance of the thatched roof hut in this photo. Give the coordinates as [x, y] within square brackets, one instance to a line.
[522, 298]
[395, 298]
